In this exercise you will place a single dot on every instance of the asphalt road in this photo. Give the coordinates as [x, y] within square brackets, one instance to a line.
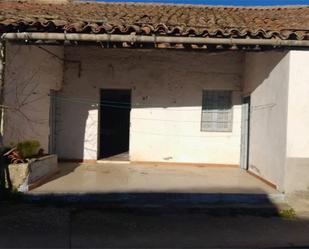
[95, 226]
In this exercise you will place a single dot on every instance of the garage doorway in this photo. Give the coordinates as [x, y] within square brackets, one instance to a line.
[115, 107]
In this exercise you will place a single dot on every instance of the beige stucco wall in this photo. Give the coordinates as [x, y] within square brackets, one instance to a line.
[267, 79]
[166, 97]
[30, 74]
[297, 165]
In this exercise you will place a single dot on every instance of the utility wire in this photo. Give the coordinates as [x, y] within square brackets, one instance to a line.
[127, 105]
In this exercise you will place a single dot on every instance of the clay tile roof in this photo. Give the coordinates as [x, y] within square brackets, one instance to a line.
[185, 20]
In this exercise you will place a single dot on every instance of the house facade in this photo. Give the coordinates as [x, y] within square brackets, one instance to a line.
[224, 89]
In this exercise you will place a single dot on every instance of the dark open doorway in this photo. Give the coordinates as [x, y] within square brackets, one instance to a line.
[114, 122]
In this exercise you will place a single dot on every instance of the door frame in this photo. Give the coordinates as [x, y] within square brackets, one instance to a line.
[99, 119]
[52, 121]
[245, 133]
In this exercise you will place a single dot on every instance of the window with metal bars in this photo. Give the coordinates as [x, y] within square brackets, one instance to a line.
[217, 115]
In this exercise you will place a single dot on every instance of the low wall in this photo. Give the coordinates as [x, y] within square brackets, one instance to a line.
[25, 176]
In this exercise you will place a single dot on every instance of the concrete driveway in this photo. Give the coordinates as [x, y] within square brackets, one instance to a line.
[141, 178]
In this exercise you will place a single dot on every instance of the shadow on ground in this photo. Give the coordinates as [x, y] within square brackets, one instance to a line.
[148, 220]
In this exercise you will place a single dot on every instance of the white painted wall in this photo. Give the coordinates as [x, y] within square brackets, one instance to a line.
[297, 166]
[30, 74]
[166, 96]
[298, 109]
[267, 79]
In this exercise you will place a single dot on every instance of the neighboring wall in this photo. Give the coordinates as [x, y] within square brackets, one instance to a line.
[297, 165]
[30, 74]
[166, 97]
[267, 79]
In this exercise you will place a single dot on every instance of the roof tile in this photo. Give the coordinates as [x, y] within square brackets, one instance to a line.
[257, 22]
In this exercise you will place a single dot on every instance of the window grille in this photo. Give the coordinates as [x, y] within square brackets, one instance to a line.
[217, 115]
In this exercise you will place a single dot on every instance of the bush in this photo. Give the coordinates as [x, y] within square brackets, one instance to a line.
[28, 148]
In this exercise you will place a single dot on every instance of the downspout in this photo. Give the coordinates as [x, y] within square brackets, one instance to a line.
[152, 39]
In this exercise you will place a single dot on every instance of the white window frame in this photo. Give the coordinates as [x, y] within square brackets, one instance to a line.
[217, 111]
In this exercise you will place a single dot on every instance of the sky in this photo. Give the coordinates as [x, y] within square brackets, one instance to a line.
[222, 2]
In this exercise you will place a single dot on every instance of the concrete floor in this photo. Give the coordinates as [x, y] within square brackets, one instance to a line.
[123, 157]
[142, 178]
